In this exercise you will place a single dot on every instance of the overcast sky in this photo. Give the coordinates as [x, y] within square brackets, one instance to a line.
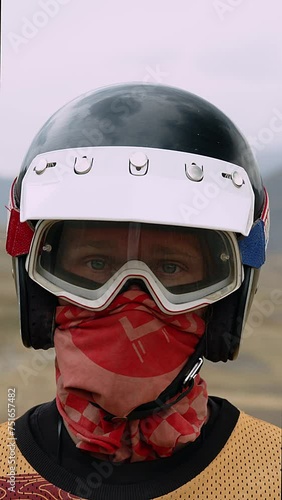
[227, 51]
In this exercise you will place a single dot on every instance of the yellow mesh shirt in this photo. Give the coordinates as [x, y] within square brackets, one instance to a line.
[248, 467]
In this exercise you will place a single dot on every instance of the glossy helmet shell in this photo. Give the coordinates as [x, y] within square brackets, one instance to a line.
[151, 116]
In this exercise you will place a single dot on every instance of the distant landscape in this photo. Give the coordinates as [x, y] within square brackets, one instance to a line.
[5, 186]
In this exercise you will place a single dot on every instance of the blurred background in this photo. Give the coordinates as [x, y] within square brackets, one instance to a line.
[228, 52]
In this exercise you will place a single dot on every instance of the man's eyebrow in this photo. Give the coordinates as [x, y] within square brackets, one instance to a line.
[174, 251]
[99, 244]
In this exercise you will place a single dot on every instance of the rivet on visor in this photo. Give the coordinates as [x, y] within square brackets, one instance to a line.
[194, 172]
[83, 165]
[237, 179]
[138, 163]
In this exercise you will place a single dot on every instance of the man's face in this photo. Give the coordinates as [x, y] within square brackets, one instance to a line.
[175, 257]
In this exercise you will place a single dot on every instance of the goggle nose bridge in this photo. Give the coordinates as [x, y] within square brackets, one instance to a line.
[139, 282]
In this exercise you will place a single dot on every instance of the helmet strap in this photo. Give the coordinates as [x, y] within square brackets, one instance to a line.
[178, 389]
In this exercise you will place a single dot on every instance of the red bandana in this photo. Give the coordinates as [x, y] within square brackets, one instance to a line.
[120, 358]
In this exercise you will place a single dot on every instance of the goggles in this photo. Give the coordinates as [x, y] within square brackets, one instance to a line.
[88, 263]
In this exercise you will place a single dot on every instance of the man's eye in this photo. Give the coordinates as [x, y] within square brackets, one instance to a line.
[96, 264]
[170, 267]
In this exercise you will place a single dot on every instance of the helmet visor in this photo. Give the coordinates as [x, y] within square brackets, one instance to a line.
[89, 263]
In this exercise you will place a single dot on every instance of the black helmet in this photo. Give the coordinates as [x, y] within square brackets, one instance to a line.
[140, 155]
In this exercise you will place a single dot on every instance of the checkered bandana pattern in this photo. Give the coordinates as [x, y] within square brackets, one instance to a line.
[120, 358]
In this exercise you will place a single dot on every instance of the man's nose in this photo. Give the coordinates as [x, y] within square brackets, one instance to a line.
[134, 287]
